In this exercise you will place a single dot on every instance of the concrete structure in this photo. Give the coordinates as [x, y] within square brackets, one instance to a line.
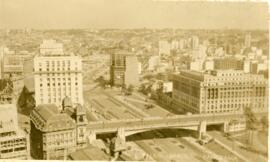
[52, 76]
[197, 122]
[246, 66]
[14, 142]
[124, 69]
[194, 42]
[132, 71]
[12, 66]
[56, 77]
[228, 63]
[50, 47]
[219, 91]
[55, 134]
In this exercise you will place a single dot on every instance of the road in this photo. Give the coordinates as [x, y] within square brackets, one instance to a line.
[249, 155]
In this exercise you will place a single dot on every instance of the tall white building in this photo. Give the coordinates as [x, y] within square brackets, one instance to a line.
[195, 42]
[132, 71]
[56, 77]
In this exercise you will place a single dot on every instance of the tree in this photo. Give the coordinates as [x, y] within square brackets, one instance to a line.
[251, 119]
[251, 122]
[130, 89]
[101, 81]
[26, 101]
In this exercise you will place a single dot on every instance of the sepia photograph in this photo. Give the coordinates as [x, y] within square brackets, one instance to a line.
[134, 80]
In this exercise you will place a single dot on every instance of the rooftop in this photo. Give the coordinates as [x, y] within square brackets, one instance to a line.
[89, 153]
[47, 117]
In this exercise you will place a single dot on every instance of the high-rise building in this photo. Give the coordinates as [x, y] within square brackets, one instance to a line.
[124, 69]
[219, 91]
[14, 142]
[132, 72]
[55, 76]
[195, 42]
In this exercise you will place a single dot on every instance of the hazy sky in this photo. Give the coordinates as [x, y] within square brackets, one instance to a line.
[131, 14]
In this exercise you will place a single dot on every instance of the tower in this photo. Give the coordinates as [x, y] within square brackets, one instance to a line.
[81, 122]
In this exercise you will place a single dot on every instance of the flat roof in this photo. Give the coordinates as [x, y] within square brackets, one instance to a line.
[89, 153]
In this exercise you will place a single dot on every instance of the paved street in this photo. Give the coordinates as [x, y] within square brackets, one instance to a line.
[249, 155]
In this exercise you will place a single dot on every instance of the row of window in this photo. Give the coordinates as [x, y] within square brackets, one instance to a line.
[59, 84]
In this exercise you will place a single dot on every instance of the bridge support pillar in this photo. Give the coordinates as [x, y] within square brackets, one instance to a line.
[92, 137]
[121, 134]
[201, 129]
[226, 127]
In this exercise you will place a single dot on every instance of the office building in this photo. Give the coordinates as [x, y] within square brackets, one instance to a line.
[228, 63]
[132, 71]
[124, 69]
[55, 76]
[54, 133]
[14, 142]
[219, 91]
[195, 42]
[12, 66]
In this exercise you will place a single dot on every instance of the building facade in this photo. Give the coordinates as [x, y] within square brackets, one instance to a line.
[51, 47]
[124, 69]
[228, 63]
[132, 71]
[55, 134]
[56, 77]
[14, 142]
[219, 91]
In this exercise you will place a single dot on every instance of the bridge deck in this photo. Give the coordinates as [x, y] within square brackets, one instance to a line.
[172, 121]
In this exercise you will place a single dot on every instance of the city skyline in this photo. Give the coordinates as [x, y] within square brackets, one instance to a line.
[41, 14]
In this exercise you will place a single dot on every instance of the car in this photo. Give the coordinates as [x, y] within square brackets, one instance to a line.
[215, 160]
[149, 106]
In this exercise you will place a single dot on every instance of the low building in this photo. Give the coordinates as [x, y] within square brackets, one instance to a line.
[55, 134]
[89, 153]
[219, 91]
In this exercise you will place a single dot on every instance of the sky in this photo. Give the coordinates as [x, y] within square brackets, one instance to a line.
[66, 14]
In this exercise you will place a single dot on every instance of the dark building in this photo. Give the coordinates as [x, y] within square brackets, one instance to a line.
[124, 69]
[55, 134]
[117, 69]
[228, 63]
